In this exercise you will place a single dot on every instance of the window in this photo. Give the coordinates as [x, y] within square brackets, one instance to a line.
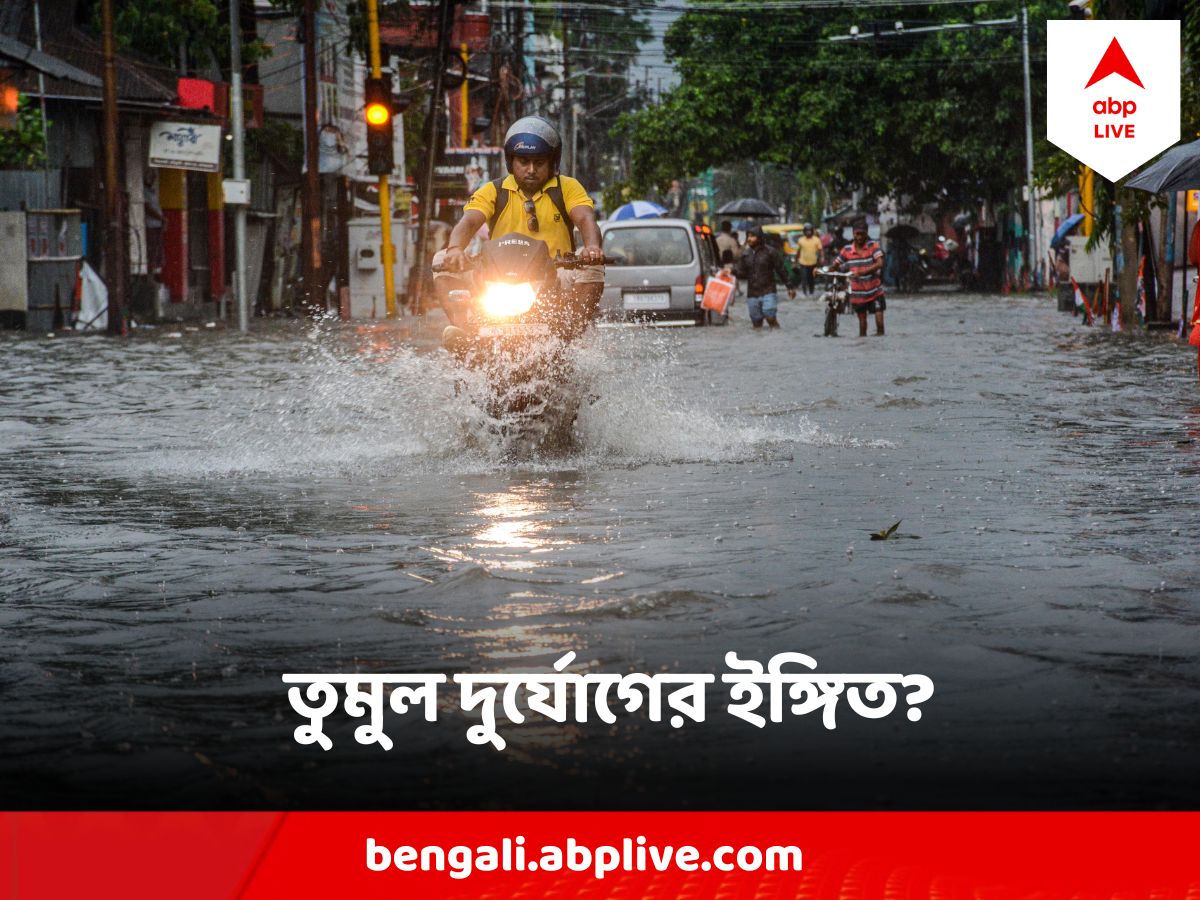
[648, 246]
[708, 251]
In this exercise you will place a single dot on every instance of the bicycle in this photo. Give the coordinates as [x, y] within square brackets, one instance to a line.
[836, 298]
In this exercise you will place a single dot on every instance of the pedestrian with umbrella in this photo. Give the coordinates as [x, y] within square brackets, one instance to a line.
[749, 208]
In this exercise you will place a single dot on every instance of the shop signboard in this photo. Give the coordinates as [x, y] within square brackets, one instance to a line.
[185, 145]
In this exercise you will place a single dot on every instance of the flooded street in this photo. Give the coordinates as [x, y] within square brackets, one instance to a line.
[184, 519]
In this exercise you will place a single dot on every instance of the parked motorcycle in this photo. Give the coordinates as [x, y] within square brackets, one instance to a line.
[836, 298]
[944, 263]
[512, 326]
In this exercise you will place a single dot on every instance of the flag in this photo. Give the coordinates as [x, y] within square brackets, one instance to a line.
[1141, 288]
[1081, 303]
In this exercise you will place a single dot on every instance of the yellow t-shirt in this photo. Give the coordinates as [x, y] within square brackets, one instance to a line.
[551, 228]
[809, 250]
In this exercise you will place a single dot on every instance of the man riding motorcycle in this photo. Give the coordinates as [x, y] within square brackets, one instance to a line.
[536, 201]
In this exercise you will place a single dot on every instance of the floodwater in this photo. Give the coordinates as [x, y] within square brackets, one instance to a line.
[185, 516]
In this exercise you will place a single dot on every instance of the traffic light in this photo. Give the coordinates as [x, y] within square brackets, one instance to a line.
[378, 113]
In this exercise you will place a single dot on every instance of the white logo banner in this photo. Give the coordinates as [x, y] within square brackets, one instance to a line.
[1112, 91]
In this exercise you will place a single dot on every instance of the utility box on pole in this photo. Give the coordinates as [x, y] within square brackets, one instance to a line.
[368, 299]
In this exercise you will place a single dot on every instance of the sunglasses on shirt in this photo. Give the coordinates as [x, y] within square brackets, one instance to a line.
[532, 213]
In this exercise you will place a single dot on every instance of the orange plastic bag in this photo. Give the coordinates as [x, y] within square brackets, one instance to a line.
[718, 292]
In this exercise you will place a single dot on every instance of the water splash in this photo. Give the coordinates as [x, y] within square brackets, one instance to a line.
[365, 402]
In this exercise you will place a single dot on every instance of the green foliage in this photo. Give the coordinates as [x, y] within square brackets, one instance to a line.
[936, 115]
[157, 29]
[24, 147]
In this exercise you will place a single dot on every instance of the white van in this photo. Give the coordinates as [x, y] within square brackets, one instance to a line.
[661, 268]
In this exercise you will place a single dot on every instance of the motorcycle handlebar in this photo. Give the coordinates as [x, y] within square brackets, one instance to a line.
[560, 262]
[572, 262]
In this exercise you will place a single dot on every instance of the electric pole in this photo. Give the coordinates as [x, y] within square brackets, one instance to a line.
[238, 126]
[310, 233]
[567, 120]
[114, 232]
[1031, 227]
[432, 132]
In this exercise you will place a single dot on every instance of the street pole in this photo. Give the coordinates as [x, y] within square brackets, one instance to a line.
[574, 140]
[465, 96]
[37, 37]
[386, 254]
[114, 233]
[1031, 228]
[432, 132]
[310, 233]
[236, 112]
[569, 145]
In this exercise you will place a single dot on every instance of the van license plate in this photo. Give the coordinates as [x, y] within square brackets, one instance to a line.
[647, 299]
[515, 329]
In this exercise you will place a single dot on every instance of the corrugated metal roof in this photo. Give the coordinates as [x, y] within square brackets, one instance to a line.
[43, 62]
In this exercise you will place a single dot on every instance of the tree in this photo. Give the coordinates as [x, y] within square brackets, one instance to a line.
[1117, 210]
[24, 146]
[160, 29]
[926, 115]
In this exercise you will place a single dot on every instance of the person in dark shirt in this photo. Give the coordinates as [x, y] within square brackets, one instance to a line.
[761, 267]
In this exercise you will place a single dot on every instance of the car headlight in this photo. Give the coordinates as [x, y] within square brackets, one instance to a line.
[506, 301]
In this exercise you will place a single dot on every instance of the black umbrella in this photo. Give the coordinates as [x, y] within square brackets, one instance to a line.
[1177, 170]
[748, 207]
[901, 233]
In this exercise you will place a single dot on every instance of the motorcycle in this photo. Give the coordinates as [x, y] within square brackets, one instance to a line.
[836, 298]
[512, 326]
[943, 265]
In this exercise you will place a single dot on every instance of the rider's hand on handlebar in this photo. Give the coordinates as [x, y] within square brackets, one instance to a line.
[592, 256]
[455, 259]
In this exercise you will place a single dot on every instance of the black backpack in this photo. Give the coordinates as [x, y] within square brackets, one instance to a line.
[554, 193]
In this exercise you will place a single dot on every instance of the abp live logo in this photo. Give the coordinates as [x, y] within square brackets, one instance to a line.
[1127, 110]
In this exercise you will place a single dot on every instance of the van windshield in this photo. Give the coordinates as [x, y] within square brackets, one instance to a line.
[648, 246]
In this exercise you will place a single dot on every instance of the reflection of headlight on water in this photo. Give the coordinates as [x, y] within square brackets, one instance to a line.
[504, 301]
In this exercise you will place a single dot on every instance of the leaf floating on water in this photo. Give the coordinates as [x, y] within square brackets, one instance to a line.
[886, 533]
[889, 534]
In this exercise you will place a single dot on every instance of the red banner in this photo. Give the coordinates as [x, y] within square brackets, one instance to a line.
[839, 856]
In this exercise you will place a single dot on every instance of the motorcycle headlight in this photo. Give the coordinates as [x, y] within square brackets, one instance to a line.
[507, 301]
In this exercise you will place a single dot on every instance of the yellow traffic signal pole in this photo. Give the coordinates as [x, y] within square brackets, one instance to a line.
[465, 96]
[385, 200]
[1087, 199]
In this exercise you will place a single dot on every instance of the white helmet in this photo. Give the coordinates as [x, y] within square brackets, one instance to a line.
[532, 136]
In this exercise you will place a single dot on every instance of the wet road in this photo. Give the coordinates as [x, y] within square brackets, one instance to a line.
[183, 519]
